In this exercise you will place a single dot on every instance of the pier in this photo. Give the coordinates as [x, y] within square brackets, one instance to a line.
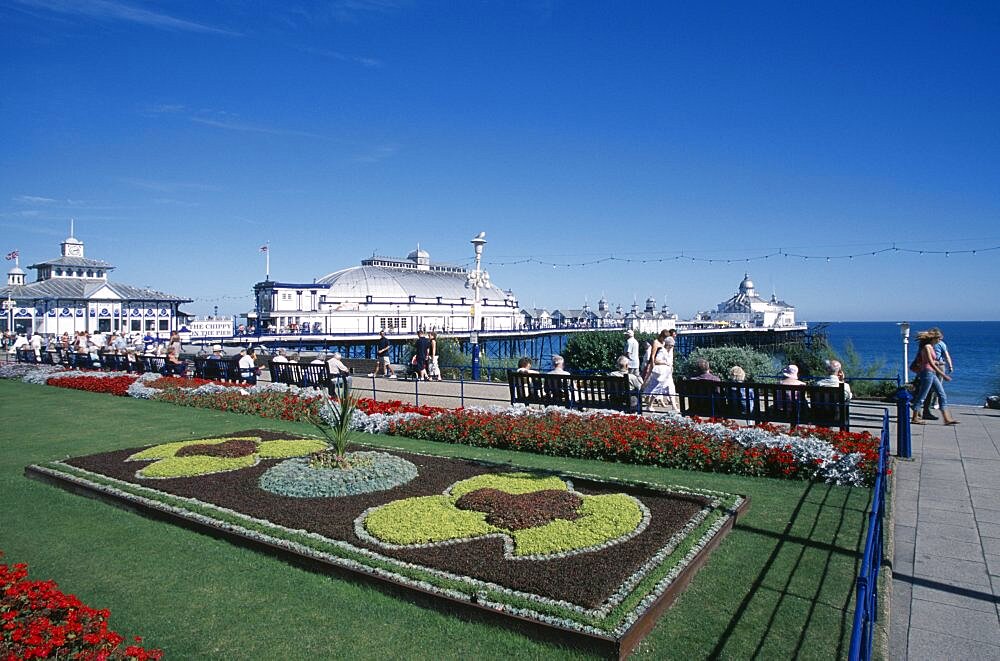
[538, 344]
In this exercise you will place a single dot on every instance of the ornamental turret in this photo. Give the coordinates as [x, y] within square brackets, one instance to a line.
[15, 276]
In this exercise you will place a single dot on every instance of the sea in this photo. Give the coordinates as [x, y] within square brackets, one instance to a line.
[974, 347]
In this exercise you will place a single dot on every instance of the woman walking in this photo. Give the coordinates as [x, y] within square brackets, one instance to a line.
[659, 375]
[930, 375]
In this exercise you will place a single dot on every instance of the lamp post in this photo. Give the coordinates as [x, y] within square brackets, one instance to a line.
[904, 444]
[477, 279]
[904, 331]
[8, 307]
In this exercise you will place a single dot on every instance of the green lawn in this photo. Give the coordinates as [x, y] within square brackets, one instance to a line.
[780, 586]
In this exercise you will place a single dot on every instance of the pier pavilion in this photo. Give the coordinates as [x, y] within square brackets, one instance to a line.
[383, 294]
[72, 293]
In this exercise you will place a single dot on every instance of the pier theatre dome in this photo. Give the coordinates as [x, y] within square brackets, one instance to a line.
[384, 293]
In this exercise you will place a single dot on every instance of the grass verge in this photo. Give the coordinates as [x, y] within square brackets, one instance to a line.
[781, 584]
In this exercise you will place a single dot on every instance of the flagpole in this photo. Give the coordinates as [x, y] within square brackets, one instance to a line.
[267, 261]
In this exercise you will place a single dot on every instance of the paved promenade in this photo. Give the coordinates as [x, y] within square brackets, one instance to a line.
[946, 564]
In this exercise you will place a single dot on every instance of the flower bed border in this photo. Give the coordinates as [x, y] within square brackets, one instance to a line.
[638, 624]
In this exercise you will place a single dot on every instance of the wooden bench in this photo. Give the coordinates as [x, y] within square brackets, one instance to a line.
[114, 362]
[218, 369]
[823, 406]
[152, 363]
[311, 375]
[26, 354]
[576, 391]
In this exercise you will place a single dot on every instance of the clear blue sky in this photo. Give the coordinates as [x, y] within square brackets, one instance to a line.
[181, 135]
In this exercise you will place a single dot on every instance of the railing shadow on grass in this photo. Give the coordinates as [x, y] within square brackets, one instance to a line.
[823, 497]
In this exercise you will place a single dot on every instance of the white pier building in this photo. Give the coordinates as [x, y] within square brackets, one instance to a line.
[72, 293]
[748, 310]
[383, 293]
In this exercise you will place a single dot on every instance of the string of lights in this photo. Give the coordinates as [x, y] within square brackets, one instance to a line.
[241, 297]
[778, 254]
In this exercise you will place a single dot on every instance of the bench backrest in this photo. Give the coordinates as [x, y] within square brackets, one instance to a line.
[153, 363]
[316, 375]
[824, 406]
[592, 391]
[285, 372]
[224, 369]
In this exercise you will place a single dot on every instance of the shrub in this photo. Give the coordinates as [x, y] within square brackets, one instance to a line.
[755, 363]
[596, 351]
[853, 368]
[809, 356]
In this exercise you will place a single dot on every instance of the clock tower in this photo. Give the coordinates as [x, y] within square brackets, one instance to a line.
[72, 246]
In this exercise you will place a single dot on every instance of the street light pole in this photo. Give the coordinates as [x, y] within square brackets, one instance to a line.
[904, 331]
[476, 279]
[8, 305]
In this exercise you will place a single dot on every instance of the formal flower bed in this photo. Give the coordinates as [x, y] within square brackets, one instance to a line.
[179, 382]
[38, 621]
[668, 440]
[114, 385]
[569, 551]
[394, 406]
[282, 406]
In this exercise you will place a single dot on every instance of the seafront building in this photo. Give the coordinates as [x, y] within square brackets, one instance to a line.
[72, 293]
[746, 309]
[383, 294]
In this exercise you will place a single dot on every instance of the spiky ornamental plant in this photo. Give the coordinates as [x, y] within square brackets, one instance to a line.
[337, 415]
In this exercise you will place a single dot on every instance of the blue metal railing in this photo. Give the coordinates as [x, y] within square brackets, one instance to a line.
[866, 610]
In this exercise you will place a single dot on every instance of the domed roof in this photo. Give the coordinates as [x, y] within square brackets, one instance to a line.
[747, 284]
[418, 254]
[17, 270]
[399, 284]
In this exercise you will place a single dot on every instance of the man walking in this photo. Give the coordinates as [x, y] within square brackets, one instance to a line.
[383, 364]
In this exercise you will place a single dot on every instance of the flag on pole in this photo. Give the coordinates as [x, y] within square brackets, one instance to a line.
[264, 248]
[13, 254]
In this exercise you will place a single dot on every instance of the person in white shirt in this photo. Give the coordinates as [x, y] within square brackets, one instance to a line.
[248, 366]
[632, 352]
[281, 357]
[340, 374]
[36, 346]
[834, 377]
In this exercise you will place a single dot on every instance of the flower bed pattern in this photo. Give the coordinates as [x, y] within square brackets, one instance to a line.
[596, 556]
[38, 621]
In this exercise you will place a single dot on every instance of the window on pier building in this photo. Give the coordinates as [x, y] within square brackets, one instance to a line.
[392, 323]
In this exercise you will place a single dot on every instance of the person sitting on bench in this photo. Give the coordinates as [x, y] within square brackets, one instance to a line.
[174, 366]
